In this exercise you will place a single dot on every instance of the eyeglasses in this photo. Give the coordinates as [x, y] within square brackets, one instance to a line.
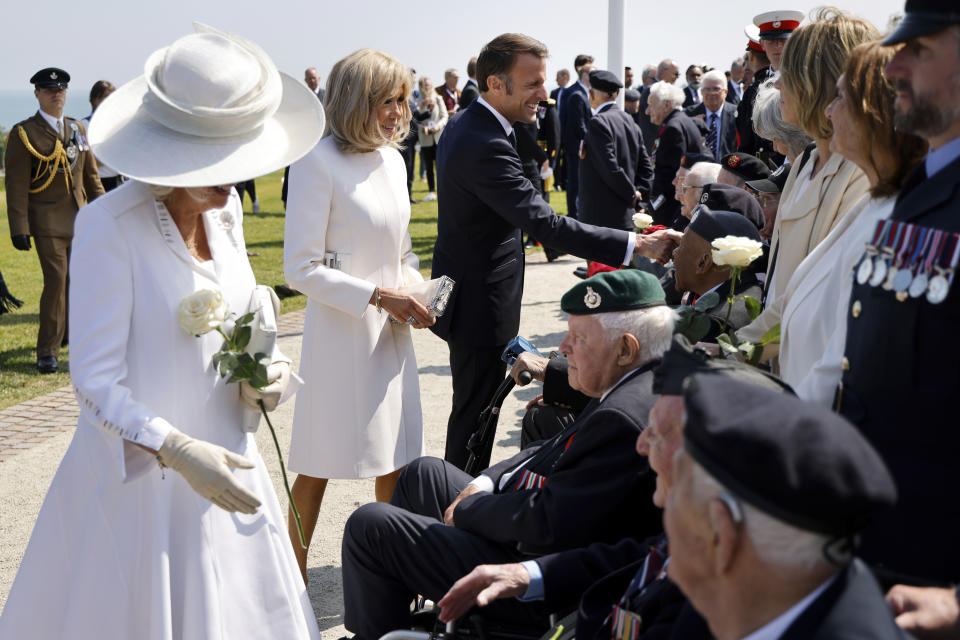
[712, 89]
[684, 188]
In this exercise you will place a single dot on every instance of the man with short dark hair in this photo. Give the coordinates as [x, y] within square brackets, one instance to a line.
[50, 174]
[470, 91]
[486, 203]
[628, 77]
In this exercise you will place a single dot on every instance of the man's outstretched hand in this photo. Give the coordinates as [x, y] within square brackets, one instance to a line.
[483, 585]
[658, 245]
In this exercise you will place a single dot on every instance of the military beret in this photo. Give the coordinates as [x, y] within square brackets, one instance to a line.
[605, 81]
[773, 184]
[710, 224]
[725, 197]
[631, 95]
[922, 18]
[745, 165]
[682, 361]
[620, 290]
[687, 161]
[50, 78]
[795, 461]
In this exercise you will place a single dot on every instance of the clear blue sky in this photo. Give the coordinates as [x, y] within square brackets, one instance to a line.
[111, 40]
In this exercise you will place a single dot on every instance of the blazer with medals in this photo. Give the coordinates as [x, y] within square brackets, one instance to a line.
[899, 387]
[728, 126]
[485, 201]
[586, 485]
[52, 211]
[678, 136]
[615, 165]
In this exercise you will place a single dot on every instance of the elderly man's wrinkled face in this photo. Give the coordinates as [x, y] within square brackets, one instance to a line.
[926, 74]
[687, 523]
[769, 203]
[312, 78]
[658, 110]
[662, 438]
[669, 74]
[591, 356]
[689, 260]
[562, 78]
[714, 93]
[693, 77]
[677, 183]
[690, 193]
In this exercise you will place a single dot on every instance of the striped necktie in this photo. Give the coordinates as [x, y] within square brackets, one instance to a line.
[712, 135]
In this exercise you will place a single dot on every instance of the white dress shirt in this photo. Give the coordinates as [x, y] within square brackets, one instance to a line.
[776, 627]
[52, 121]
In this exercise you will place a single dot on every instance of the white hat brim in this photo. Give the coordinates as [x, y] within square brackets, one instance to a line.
[125, 137]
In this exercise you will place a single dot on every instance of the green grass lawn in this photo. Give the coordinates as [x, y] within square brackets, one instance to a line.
[19, 379]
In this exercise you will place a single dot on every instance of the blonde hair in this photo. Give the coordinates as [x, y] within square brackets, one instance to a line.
[356, 87]
[813, 59]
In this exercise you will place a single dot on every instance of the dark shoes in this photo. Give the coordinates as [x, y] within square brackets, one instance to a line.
[283, 291]
[47, 364]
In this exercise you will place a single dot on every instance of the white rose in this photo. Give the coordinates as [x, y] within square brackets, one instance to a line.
[736, 251]
[641, 221]
[202, 312]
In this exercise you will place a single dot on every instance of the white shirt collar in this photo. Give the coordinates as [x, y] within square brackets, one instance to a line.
[776, 627]
[718, 112]
[597, 110]
[507, 127]
[585, 87]
[469, 80]
[51, 120]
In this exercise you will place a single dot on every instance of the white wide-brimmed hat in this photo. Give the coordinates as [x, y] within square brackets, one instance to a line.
[211, 109]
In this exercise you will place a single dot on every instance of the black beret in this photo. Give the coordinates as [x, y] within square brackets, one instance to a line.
[620, 290]
[687, 161]
[745, 165]
[682, 361]
[605, 81]
[773, 184]
[50, 78]
[923, 18]
[710, 224]
[631, 95]
[726, 197]
[798, 462]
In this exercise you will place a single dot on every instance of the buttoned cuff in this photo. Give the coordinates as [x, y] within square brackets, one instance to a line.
[535, 588]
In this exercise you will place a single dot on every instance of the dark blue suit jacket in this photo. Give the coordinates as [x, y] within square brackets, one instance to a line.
[614, 167]
[732, 96]
[900, 389]
[728, 125]
[484, 203]
[573, 117]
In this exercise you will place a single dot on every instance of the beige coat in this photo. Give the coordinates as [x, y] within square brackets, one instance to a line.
[804, 219]
[439, 117]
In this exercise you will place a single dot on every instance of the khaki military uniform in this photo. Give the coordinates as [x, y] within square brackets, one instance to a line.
[49, 213]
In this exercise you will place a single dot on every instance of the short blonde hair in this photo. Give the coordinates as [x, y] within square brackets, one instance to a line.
[813, 59]
[356, 87]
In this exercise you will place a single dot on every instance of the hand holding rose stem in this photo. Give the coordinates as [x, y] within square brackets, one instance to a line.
[736, 253]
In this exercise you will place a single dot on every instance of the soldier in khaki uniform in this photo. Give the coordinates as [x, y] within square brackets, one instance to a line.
[51, 173]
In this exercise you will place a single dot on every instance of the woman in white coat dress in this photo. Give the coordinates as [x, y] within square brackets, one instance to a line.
[161, 521]
[813, 326]
[347, 247]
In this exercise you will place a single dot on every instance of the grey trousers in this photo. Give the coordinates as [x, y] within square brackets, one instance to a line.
[393, 552]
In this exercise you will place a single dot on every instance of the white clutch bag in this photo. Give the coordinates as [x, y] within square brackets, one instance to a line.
[433, 294]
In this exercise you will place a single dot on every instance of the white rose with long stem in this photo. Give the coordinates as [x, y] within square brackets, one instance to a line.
[202, 312]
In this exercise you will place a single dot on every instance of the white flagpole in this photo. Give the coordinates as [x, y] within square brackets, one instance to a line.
[615, 42]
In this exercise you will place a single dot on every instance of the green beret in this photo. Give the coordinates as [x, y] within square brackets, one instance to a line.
[620, 290]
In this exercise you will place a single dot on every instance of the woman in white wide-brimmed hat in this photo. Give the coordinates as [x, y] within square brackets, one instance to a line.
[124, 548]
[346, 245]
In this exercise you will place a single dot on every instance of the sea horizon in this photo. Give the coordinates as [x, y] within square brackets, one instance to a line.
[17, 105]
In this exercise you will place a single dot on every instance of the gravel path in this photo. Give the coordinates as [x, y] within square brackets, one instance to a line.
[24, 477]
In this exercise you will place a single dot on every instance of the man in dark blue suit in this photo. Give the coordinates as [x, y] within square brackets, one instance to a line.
[901, 353]
[485, 202]
[575, 112]
[719, 117]
[615, 171]
[734, 88]
[691, 93]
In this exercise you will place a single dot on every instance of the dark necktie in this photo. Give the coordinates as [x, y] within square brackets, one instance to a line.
[712, 135]
[513, 139]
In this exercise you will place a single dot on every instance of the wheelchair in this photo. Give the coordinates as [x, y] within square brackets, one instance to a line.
[473, 626]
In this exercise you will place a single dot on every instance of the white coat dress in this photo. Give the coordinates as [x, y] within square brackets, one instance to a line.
[123, 548]
[358, 414]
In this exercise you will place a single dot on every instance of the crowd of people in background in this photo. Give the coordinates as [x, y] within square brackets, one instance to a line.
[745, 434]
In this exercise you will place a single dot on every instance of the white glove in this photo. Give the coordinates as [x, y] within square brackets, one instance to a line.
[206, 467]
[278, 377]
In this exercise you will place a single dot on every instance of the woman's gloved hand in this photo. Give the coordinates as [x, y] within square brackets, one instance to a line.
[206, 467]
[278, 377]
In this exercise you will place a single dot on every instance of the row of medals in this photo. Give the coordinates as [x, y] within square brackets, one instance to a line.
[909, 272]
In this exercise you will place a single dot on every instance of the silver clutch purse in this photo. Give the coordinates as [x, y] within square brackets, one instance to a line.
[433, 294]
